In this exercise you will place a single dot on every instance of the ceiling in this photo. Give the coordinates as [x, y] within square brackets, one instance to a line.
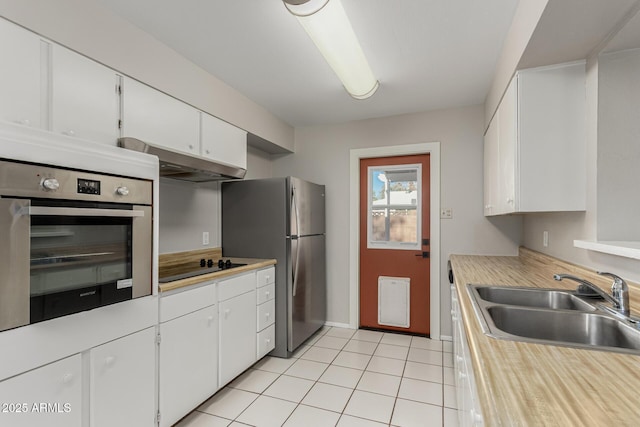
[427, 54]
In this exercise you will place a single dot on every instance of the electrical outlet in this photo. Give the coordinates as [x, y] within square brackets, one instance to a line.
[446, 213]
[205, 238]
[545, 239]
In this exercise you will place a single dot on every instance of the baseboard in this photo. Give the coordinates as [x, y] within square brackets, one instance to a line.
[446, 338]
[338, 325]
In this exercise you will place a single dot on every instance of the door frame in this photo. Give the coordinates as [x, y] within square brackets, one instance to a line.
[433, 149]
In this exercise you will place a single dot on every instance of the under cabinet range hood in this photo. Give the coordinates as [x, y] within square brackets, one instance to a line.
[182, 166]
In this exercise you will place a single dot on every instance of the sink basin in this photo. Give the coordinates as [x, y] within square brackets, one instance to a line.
[551, 316]
[589, 329]
[531, 297]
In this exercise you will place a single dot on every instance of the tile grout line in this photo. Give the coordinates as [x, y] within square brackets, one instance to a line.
[353, 389]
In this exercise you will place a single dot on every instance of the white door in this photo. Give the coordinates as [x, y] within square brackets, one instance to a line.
[223, 142]
[152, 116]
[188, 363]
[85, 102]
[49, 396]
[237, 336]
[21, 87]
[507, 150]
[491, 171]
[123, 382]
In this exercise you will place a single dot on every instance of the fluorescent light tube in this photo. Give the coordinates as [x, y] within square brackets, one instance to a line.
[328, 26]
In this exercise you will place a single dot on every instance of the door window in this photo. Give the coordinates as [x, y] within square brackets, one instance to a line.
[394, 217]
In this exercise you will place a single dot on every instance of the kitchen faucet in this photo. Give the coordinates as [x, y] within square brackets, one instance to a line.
[619, 297]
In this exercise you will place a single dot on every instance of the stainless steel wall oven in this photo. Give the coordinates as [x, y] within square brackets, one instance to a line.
[73, 241]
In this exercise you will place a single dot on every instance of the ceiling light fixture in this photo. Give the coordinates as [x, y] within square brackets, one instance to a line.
[328, 26]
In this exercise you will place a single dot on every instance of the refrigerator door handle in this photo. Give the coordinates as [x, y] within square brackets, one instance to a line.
[294, 202]
[294, 273]
[295, 266]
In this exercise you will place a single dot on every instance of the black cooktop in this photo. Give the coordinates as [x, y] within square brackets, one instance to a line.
[205, 268]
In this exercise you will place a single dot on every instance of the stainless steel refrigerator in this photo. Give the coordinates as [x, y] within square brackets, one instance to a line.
[282, 218]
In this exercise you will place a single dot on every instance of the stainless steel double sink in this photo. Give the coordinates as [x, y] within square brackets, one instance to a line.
[552, 316]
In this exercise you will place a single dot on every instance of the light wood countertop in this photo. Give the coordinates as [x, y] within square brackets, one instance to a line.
[525, 384]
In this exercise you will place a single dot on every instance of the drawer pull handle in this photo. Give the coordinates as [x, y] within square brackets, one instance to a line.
[267, 294]
[268, 340]
[109, 361]
[267, 315]
[67, 378]
[227, 312]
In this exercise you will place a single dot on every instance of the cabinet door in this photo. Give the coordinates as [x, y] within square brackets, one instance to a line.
[491, 167]
[507, 150]
[223, 142]
[49, 396]
[266, 341]
[188, 363]
[85, 102]
[123, 381]
[237, 336]
[154, 117]
[21, 88]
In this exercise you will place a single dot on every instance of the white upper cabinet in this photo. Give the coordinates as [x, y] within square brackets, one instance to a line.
[22, 89]
[223, 142]
[152, 116]
[85, 102]
[491, 166]
[535, 145]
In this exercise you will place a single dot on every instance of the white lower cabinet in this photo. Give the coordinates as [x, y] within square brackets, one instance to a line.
[188, 353]
[48, 396]
[265, 311]
[469, 412]
[122, 382]
[237, 317]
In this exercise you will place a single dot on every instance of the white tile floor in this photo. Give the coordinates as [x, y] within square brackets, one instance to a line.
[343, 378]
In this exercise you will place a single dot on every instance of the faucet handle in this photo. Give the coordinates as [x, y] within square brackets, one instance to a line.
[618, 282]
[620, 292]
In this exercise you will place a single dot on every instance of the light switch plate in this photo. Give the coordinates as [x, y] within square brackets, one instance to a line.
[446, 213]
[205, 238]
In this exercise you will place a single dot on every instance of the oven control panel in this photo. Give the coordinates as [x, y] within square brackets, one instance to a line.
[27, 180]
[88, 186]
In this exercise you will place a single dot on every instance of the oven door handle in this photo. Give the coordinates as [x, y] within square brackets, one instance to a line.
[50, 211]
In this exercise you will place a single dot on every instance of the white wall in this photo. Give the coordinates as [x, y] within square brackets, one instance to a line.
[564, 228]
[322, 155]
[187, 209]
[92, 30]
[618, 147]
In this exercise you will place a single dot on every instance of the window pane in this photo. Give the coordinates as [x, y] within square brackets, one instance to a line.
[403, 225]
[379, 225]
[394, 209]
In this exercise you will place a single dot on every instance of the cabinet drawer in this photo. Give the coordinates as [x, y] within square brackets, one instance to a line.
[266, 276]
[266, 341]
[266, 314]
[186, 301]
[266, 293]
[237, 285]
